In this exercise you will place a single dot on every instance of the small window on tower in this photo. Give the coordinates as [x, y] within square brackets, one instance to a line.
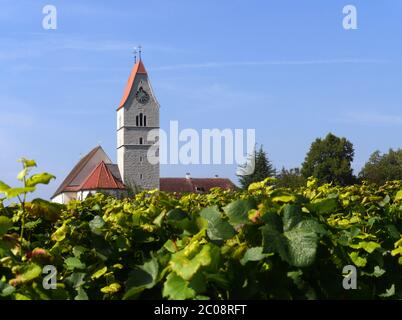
[141, 141]
[141, 176]
[141, 159]
[136, 121]
[145, 121]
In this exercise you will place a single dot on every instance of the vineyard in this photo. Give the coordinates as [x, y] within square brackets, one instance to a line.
[263, 243]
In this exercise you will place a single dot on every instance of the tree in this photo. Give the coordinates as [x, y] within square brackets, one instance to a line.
[263, 169]
[382, 168]
[290, 178]
[329, 160]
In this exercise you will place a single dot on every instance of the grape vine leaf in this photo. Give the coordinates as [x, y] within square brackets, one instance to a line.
[218, 229]
[237, 211]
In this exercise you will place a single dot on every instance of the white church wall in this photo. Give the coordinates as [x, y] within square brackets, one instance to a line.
[58, 199]
[86, 193]
[120, 127]
[120, 161]
[120, 118]
[65, 197]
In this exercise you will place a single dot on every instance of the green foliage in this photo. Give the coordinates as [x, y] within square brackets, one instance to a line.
[329, 160]
[43, 178]
[263, 169]
[29, 182]
[238, 210]
[262, 243]
[382, 168]
[5, 225]
[29, 185]
[294, 239]
[290, 179]
[218, 228]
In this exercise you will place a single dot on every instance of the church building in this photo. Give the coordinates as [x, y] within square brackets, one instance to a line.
[137, 115]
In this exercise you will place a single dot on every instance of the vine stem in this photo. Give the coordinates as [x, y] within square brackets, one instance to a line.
[22, 202]
[22, 223]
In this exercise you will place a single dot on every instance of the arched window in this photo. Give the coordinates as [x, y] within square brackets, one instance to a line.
[141, 140]
[136, 121]
[141, 118]
[145, 121]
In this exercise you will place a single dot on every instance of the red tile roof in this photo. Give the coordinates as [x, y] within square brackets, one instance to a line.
[195, 185]
[101, 178]
[137, 69]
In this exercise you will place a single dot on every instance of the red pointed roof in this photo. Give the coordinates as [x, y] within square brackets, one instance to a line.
[137, 69]
[101, 178]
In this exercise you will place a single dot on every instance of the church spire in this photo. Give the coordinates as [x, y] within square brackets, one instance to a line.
[137, 118]
[138, 68]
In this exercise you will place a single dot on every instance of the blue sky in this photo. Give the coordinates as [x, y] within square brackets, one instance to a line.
[286, 68]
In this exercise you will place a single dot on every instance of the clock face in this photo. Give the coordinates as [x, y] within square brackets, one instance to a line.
[142, 96]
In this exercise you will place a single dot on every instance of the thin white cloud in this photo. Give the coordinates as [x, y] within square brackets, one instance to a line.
[371, 118]
[215, 96]
[41, 44]
[268, 63]
[94, 10]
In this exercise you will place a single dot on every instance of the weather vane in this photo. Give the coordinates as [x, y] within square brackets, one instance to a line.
[139, 51]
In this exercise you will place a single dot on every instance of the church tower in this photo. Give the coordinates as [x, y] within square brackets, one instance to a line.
[137, 116]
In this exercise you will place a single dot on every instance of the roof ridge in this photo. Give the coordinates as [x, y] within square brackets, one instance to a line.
[90, 175]
[76, 170]
[110, 175]
[110, 178]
